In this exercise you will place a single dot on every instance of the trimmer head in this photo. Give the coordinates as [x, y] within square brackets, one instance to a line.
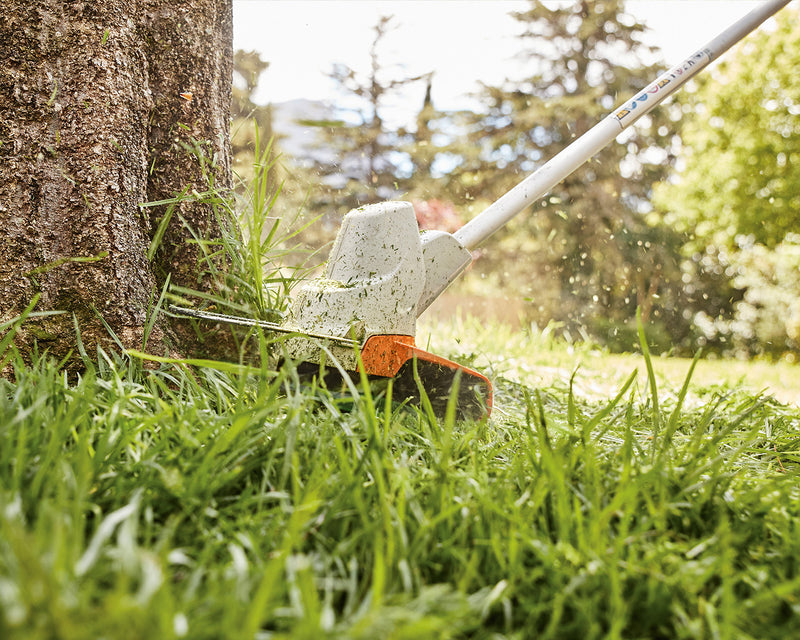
[380, 276]
[416, 375]
[377, 280]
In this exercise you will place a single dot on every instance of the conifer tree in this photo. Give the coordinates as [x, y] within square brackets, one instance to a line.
[587, 247]
[366, 161]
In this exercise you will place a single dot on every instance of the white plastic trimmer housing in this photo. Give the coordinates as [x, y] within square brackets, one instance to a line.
[381, 275]
[373, 279]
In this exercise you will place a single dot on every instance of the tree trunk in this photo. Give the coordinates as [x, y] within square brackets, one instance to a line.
[92, 119]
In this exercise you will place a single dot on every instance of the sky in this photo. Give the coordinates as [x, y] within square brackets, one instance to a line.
[462, 41]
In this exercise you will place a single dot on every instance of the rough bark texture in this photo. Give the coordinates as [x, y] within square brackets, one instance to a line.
[190, 52]
[91, 115]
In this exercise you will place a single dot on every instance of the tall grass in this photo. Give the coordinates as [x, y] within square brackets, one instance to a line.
[247, 264]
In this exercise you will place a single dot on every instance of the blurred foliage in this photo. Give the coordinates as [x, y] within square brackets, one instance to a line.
[364, 162]
[356, 157]
[271, 193]
[252, 123]
[767, 319]
[764, 318]
[741, 145]
[736, 198]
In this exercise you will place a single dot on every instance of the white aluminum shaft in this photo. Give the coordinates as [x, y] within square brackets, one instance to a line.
[560, 166]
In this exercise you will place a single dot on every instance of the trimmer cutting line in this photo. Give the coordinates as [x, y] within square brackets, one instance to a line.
[383, 272]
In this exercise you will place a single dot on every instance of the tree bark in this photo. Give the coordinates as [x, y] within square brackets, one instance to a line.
[190, 60]
[91, 125]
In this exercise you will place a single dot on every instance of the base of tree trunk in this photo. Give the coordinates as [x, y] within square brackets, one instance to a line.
[104, 106]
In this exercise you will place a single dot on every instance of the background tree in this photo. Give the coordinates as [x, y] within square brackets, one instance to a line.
[420, 146]
[365, 162]
[741, 145]
[436, 149]
[100, 101]
[737, 195]
[588, 247]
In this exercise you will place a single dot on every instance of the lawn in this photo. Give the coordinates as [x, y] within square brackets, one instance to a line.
[604, 498]
[535, 358]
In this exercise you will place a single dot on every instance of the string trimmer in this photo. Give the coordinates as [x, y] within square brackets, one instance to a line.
[382, 272]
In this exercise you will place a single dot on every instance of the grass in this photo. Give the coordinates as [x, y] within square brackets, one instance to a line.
[535, 357]
[212, 502]
[202, 499]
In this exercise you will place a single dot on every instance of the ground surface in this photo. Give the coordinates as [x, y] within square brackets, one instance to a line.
[532, 359]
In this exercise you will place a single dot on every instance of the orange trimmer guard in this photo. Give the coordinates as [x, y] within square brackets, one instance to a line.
[394, 356]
